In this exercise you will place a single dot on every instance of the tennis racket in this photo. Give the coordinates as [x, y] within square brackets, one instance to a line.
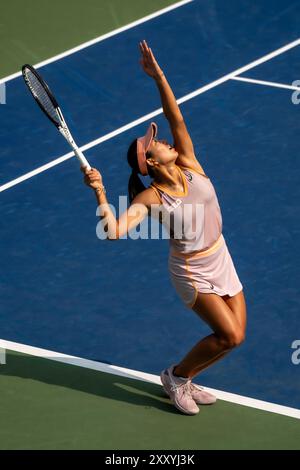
[48, 104]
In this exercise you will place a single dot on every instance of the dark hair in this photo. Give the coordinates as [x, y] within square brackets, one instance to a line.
[135, 185]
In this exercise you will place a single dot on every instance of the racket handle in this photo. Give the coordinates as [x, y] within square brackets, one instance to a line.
[63, 129]
[81, 157]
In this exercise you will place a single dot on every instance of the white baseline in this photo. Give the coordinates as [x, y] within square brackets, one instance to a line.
[101, 38]
[138, 375]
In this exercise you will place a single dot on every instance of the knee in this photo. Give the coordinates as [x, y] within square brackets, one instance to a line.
[232, 339]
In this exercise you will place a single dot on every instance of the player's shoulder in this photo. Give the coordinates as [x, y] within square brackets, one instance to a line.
[188, 163]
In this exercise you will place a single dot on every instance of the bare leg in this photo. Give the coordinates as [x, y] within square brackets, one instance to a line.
[227, 318]
[237, 304]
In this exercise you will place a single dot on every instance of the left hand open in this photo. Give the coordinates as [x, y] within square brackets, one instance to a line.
[148, 61]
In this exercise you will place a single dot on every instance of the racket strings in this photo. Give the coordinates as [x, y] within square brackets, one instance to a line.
[41, 95]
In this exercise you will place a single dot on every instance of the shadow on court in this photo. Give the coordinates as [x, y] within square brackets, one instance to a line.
[104, 385]
[50, 405]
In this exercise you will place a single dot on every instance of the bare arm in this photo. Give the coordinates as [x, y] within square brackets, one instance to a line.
[182, 140]
[134, 215]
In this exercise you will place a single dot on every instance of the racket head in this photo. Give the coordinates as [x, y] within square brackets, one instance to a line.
[42, 94]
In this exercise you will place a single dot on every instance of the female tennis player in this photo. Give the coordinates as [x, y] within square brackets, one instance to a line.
[200, 265]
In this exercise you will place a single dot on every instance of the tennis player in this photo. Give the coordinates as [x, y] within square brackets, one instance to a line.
[200, 265]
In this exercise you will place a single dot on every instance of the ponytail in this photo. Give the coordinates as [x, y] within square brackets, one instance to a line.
[135, 185]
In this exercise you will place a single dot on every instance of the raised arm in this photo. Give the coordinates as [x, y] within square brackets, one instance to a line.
[182, 140]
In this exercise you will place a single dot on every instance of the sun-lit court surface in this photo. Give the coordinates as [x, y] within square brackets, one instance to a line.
[88, 325]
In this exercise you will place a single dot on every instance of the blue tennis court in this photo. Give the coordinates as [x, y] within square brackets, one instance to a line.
[64, 290]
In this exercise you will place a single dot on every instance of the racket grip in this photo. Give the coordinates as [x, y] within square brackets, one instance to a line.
[63, 129]
[81, 158]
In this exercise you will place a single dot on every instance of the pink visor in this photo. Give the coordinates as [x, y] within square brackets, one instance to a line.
[143, 144]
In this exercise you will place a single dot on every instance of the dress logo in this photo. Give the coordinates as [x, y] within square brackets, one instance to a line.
[189, 176]
[174, 205]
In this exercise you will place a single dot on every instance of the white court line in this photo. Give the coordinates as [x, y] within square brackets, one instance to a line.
[138, 375]
[101, 38]
[144, 118]
[263, 82]
[2, 356]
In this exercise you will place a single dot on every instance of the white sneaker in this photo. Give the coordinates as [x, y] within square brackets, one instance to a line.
[200, 395]
[179, 392]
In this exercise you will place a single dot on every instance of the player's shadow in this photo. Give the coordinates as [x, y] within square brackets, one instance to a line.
[105, 385]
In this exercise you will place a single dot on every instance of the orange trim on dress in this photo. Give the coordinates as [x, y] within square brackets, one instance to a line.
[172, 193]
[201, 254]
[156, 192]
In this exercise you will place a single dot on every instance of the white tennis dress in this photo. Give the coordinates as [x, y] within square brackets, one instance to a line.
[199, 259]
